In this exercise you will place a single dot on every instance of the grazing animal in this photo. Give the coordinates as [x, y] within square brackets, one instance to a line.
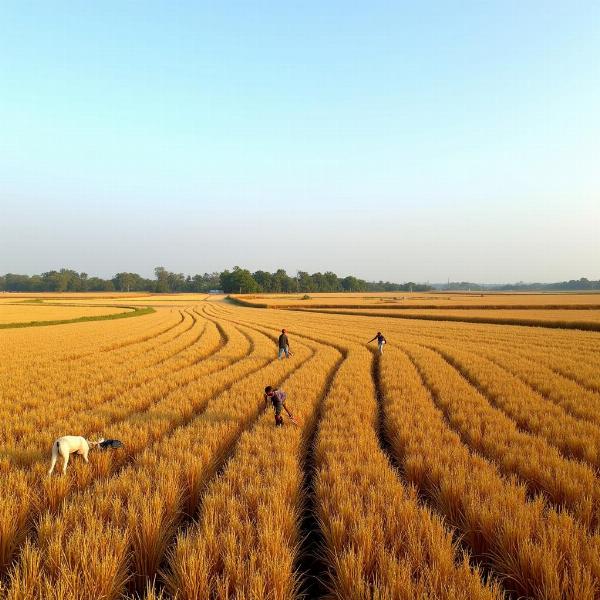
[70, 444]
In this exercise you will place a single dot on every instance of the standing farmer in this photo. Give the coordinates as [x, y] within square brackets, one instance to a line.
[380, 341]
[284, 345]
[277, 398]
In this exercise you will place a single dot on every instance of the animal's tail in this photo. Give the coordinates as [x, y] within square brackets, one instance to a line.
[57, 444]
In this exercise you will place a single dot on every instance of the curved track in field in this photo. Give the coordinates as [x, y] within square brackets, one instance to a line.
[236, 378]
[530, 479]
[99, 371]
[54, 491]
[93, 388]
[435, 408]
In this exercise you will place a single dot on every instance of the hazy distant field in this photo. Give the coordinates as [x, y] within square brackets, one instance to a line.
[23, 313]
[580, 318]
[424, 299]
[483, 435]
[179, 300]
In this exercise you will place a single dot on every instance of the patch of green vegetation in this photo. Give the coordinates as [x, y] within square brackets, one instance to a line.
[134, 312]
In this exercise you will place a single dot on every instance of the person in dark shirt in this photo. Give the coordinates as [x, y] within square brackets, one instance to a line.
[380, 341]
[284, 345]
[277, 398]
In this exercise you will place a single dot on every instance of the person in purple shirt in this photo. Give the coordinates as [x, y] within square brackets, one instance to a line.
[277, 398]
[380, 341]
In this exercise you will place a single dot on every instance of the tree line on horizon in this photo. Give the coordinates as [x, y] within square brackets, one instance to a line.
[238, 280]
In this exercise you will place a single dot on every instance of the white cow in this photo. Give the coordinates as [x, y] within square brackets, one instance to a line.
[70, 444]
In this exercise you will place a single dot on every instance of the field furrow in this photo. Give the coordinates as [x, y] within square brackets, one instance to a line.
[575, 399]
[179, 406]
[536, 551]
[248, 540]
[463, 462]
[117, 394]
[565, 483]
[142, 508]
[373, 548]
[528, 409]
[378, 539]
[54, 380]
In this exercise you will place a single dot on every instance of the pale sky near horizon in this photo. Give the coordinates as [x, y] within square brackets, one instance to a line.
[390, 140]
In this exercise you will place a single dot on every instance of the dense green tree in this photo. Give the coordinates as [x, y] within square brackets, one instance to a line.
[352, 284]
[16, 283]
[239, 281]
[123, 281]
[305, 282]
[280, 282]
[264, 279]
[95, 284]
[176, 282]
[205, 283]
[162, 280]
[332, 282]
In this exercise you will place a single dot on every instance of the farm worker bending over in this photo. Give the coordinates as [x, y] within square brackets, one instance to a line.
[380, 341]
[277, 398]
[284, 345]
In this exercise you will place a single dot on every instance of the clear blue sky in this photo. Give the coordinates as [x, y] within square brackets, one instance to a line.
[385, 139]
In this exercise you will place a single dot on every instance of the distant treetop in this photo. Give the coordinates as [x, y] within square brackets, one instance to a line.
[238, 280]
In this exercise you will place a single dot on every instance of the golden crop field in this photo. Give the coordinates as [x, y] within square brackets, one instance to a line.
[446, 300]
[25, 313]
[158, 300]
[558, 315]
[580, 318]
[462, 463]
[53, 296]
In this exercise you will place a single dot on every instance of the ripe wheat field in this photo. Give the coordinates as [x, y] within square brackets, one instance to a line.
[463, 463]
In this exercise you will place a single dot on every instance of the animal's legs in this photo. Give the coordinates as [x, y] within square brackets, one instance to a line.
[65, 462]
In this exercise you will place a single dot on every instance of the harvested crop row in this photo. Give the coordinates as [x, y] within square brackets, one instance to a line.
[50, 379]
[65, 343]
[590, 322]
[135, 515]
[565, 483]
[538, 552]
[247, 540]
[99, 407]
[180, 406]
[583, 347]
[84, 390]
[575, 367]
[378, 541]
[532, 370]
[575, 343]
[549, 358]
[528, 409]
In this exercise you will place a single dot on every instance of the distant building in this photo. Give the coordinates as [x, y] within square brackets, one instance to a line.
[216, 292]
